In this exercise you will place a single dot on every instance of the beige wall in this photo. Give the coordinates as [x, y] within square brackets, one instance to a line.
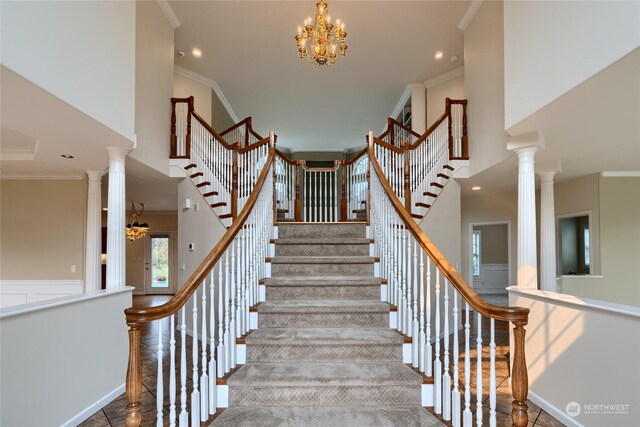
[220, 118]
[494, 243]
[184, 87]
[580, 195]
[202, 228]
[154, 85]
[484, 87]
[158, 223]
[489, 207]
[442, 223]
[437, 94]
[42, 229]
[619, 245]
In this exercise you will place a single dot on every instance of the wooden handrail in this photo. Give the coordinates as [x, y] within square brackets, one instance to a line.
[140, 315]
[285, 158]
[248, 123]
[499, 313]
[336, 166]
[258, 144]
[388, 146]
[212, 131]
[356, 157]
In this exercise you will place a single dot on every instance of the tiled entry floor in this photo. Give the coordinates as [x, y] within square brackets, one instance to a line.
[113, 413]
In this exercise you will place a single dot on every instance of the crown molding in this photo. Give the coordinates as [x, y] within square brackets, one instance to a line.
[470, 13]
[401, 103]
[621, 174]
[456, 72]
[169, 13]
[178, 69]
[43, 177]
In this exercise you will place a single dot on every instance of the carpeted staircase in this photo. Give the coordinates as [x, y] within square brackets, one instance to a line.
[323, 353]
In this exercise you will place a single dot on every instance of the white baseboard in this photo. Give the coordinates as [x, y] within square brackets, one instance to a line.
[553, 411]
[92, 409]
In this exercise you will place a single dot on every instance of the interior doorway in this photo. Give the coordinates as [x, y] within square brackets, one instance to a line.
[160, 274]
[490, 256]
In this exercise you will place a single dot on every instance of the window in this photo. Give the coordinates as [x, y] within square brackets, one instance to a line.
[574, 244]
[476, 253]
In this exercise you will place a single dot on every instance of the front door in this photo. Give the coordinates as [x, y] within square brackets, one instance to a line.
[159, 264]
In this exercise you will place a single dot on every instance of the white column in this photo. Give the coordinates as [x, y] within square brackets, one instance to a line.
[93, 251]
[418, 108]
[116, 219]
[547, 233]
[525, 147]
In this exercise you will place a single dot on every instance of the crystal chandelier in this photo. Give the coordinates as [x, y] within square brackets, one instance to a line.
[135, 230]
[319, 43]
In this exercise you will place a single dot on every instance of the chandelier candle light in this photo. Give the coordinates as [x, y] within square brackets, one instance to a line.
[134, 230]
[323, 38]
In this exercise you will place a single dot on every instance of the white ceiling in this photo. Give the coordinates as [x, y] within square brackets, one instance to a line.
[250, 51]
[38, 127]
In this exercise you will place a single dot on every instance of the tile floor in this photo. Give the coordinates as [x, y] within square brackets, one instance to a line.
[113, 413]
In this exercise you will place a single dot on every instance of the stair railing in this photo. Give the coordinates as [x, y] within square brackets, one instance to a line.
[287, 186]
[425, 156]
[419, 277]
[398, 134]
[250, 162]
[207, 314]
[320, 192]
[355, 185]
[242, 133]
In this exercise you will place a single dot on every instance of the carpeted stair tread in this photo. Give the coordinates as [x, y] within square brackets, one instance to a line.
[286, 231]
[322, 260]
[323, 306]
[323, 241]
[323, 281]
[335, 416]
[324, 375]
[324, 336]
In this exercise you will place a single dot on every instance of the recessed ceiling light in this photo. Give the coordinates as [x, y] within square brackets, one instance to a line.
[438, 55]
[454, 58]
[180, 53]
[196, 52]
[66, 156]
[476, 188]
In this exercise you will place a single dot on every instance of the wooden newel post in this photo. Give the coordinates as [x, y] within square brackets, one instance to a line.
[392, 133]
[173, 147]
[234, 182]
[187, 142]
[519, 377]
[134, 378]
[343, 198]
[465, 139]
[407, 176]
[298, 200]
[448, 112]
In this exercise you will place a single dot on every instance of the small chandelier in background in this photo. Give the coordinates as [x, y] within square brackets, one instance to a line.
[135, 230]
[320, 42]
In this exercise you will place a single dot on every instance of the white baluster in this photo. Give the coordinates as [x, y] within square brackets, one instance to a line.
[415, 342]
[492, 377]
[204, 378]
[233, 332]
[172, 373]
[213, 395]
[160, 383]
[184, 415]
[446, 378]
[455, 394]
[428, 348]
[479, 372]
[467, 416]
[227, 318]
[195, 394]
[421, 343]
[409, 310]
[437, 364]
[221, 343]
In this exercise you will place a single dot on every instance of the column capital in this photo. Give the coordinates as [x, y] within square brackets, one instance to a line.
[546, 176]
[118, 153]
[526, 143]
[95, 176]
